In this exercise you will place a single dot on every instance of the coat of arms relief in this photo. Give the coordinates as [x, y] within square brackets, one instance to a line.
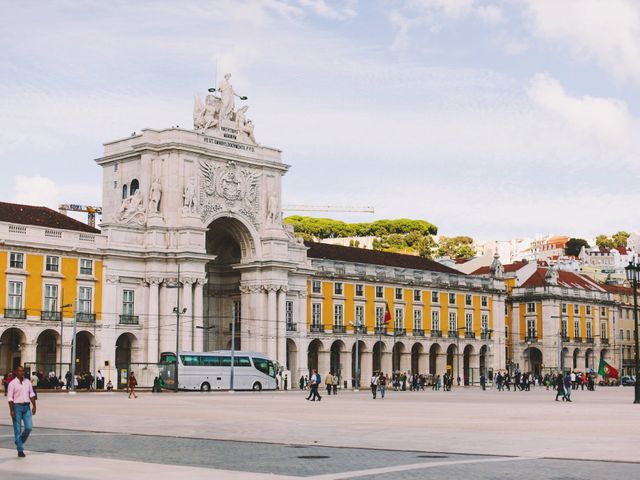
[228, 187]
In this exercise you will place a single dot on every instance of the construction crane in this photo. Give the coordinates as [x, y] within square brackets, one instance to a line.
[327, 208]
[89, 209]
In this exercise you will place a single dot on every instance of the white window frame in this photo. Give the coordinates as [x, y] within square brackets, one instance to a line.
[417, 295]
[435, 320]
[15, 293]
[360, 287]
[399, 294]
[564, 308]
[21, 261]
[603, 330]
[338, 314]
[82, 267]
[484, 301]
[316, 314]
[128, 302]
[83, 302]
[338, 288]
[468, 322]
[379, 291]
[417, 319]
[47, 264]
[435, 296]
[398, 318]
[314, 284]
[453, 322]
[576, 309]
[288, 312]
[484, 323]
[468, 300]
[532, 327]
[531, 307]
[379, 316]
[576, 328]
[359, 315]
[588, 309]
[49, 299]
[564, 328]
[452, 298]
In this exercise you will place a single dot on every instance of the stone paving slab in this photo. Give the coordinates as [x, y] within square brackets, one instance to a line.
[598, 425]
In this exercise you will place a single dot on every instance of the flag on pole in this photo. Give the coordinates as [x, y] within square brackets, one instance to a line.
[387, 313]
[607, 371]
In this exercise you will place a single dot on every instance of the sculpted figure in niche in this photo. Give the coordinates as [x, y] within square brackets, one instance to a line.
[189, 197]
[155, 195]
[131, 206]
[244, 125]
[227, 94]
[272, 209]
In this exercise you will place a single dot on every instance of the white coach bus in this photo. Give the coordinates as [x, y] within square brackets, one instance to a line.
[212, 371]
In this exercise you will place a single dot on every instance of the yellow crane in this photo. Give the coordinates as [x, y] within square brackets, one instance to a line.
[327, 208]
[91, 211]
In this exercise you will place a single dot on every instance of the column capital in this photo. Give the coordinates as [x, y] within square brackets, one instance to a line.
[274, 287]
[153, 280]
[251, 288]
[113, 279]
[188, 280]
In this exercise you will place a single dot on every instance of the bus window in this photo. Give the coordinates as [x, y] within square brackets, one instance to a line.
[242, 362]
[190, 360]
[208, 361]
[167, 357]
[225, 361]
[265, 366]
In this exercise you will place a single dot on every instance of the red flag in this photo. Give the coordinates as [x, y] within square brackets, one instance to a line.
[607, 371]
[387, 314]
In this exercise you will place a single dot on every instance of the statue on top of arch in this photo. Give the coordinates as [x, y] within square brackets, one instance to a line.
[217, 113]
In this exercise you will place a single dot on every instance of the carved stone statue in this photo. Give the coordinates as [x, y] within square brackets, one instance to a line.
[132, 209]
[207, 115]
[272, 209]
[190, 197]
[155, 194]
[245, 126]
[227, 94]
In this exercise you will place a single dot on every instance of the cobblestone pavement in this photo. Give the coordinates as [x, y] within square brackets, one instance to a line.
[462, 434]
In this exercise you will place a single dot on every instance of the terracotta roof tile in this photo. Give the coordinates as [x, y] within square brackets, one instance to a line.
[374, 257]
[508, 268]
[41, 217]
[565, 279]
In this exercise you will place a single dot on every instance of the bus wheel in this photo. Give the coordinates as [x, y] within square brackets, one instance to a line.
[257, 386]
[205, 387]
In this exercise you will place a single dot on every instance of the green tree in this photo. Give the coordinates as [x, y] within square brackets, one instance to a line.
[620, 239]
[574, 245]
[603, 241]
[456, 247]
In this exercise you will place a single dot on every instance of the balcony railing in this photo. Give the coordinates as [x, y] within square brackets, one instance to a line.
[589, 340]
[15, 313]
[418, 332]
[86, 317]
[452, 334]
[129, 320]
[361, 330]
[339, 329]
[577, 339]
[436, 333]
[604, 341]
[317, 328]
[565, 339]
[531, 339]
[469, 335]
[292, 327]
[51, 316]
[399, 332]
[380, 330]
[485, 335]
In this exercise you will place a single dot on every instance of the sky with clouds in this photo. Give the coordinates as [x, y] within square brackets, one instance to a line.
[496, 118]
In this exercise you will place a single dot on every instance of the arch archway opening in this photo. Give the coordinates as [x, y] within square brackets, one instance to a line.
[467, 373]
[313, 351]
[434, 352]
[12, 342]
[533, 359]
[47, 348]
[378, 350]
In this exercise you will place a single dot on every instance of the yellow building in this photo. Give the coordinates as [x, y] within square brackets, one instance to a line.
[438, 319]
[623, 327]
[50, 270]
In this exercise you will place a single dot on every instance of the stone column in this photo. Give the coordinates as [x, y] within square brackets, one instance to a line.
[324, 362]
[366, 368]
[271, 320]
[405, 362]
[186, 320]
[281, 327]
[152, 322]
[198, 317]
[386, 362]
[347, 359]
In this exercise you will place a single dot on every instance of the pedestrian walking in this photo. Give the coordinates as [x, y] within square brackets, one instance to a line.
[22, 407]
[483, 382]
[328, 381]
[382, 384]
[374, 385]
[314, 383]
[132, 383]
[567, 387]
[34, 384]
[560, 387]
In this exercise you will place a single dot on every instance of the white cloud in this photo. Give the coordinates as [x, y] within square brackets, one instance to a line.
[35, 190]
[320, 8]
[607, 32]
[491, 14]
[607, 119]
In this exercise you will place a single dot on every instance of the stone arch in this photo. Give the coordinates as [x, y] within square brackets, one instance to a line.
[588, 359]
[482, 357]
[379, 348]
[12, 342]
[85, 346]
[229, 226]
[125, 191]
[452, 360]
[336, 364]
[313, 352]
[576, 357]
[292, 357]
[397, 352]
[534, 360]
[126, 349]
[47, 351]
[418, 358]
[564, 359]
[435, 352]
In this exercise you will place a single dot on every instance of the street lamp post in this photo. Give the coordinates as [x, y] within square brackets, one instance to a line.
[356, 328]
[633, 275]
[178, 312]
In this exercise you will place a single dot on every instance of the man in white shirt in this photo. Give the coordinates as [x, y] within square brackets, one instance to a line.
[374, 385]
[21, 397]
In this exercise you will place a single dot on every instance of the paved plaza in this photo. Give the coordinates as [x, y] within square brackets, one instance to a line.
[274, 435]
